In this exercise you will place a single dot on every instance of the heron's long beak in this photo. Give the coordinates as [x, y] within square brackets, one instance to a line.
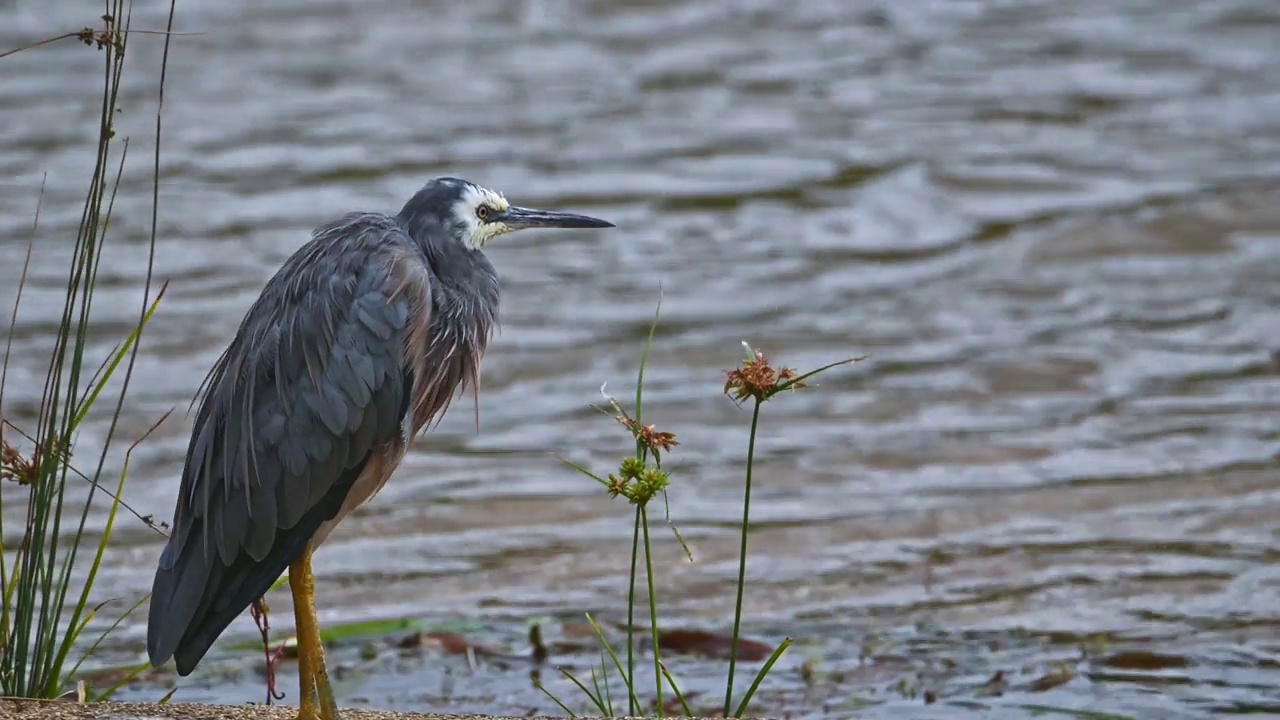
[518, 218]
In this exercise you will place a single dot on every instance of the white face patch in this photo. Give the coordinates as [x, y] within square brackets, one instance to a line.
[479, 232]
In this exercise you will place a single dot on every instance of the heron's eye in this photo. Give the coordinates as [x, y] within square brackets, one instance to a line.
[483, 212]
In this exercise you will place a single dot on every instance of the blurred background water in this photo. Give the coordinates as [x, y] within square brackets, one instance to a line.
[1054, 228]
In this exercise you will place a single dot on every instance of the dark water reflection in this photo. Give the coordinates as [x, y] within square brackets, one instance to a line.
[1053, 227]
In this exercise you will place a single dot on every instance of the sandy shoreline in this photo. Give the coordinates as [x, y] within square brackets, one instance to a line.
[54, 710]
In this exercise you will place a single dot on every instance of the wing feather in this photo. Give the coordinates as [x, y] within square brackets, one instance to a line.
[313, 387]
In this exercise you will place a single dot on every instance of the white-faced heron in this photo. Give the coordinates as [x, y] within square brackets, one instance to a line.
[357, 344]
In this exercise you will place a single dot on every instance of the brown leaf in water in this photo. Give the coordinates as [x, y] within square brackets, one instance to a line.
[670, 703]
[1144, 660]
[573, 638]
[994, 687]
[715, 645]
[1051, 680]
[577, 631]
[450, 642]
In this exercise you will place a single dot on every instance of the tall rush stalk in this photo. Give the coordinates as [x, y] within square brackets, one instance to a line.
[35, 640]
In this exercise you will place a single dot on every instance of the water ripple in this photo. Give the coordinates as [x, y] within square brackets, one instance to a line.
[1052, 230]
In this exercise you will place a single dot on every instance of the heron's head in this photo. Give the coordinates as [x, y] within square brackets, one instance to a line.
[475, 215]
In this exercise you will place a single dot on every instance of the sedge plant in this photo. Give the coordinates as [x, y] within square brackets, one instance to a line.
[640, 478]
[757, 380]
[47, 576]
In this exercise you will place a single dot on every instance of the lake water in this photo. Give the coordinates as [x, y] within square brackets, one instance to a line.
[1053, 229]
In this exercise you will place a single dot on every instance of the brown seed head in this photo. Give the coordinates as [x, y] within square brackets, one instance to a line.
[649, 435]
[25, 469]
[21, 469]
[655, 440]
[756, 379]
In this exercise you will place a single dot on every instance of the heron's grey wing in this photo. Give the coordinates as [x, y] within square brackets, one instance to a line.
[312, 388]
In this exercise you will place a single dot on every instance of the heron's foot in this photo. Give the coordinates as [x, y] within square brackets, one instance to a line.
[316, 700]
[316, 695]
[318, 704]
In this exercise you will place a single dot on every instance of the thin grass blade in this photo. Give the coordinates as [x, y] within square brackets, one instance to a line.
[123, 350]
[760, 676]
[582, 470]
[607, 708]
[642, 452]
[627, 680]
[671, 682]
[608, 695]
[595, 700]
[70, 638]
[104, 634]
[22, 283]
[545, 691]
[666, 503]
[128, 678]
[801, 378]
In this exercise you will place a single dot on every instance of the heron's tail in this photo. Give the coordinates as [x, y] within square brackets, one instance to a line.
[194, 600]
[195, 595]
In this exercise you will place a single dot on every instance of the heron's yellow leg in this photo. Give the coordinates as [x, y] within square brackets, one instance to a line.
[316, 699]
[306, 681]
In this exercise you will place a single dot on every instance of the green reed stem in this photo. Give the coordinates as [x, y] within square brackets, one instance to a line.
[48, 619]
[634, 706]
[742, 557]
[653, 609]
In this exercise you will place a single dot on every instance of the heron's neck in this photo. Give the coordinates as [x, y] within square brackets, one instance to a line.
[464, 314]
[463, 280]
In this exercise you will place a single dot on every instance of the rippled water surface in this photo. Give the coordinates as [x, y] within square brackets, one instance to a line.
[1054, 228]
